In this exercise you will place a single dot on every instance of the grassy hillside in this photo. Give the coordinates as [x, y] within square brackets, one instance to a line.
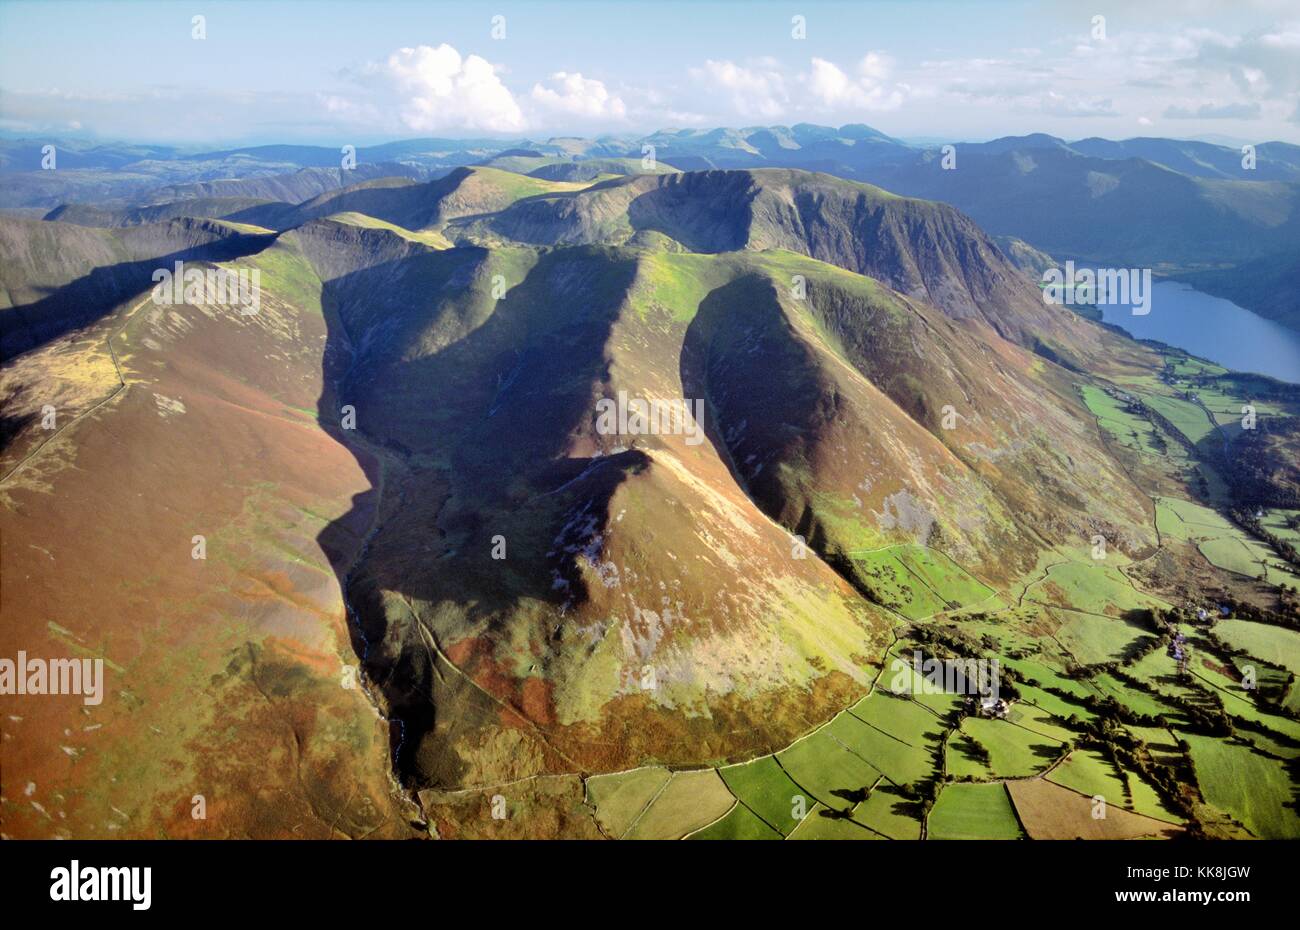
[404, 479]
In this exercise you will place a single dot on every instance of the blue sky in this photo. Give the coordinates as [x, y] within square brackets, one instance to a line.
[366, 71]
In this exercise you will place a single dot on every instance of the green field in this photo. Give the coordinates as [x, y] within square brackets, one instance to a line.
[1092, 639]
[763, 787]
[1094, 587]
[824, 766]
[1049, 677]
[1188, 521]
[1253, 789]
[944, 577]
[1059, 707]
[1187, 418]
[886, 811]
[1275, 521]
[973, 812]
[900, 717]
[919, 582]
[619, 798]
[1024, 714]
[740, 823]
[1126, 428]
[1014, 751]
[822, 823]
[1233, 554]
[896, 586]
[689, 802]
[1088, 772]
[900, 761]
[1135, 699]
[1273, 644]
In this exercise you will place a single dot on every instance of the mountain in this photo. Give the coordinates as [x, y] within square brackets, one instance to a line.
[1119, 212]
[821, 417]
[55, 277]
[1266, 286]
[1275, 161]
[593, 494]
[919, 248]
[1177, 206]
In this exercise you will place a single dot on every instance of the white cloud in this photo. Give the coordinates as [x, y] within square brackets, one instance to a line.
[833, 89]
[576, 96]
[752, 91]
[1262, 63]
[441, 90]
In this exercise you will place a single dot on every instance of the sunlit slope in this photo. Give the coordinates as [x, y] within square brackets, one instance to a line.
[670, 555]
[623, 565]
[226, 676]
[58, 276]
[416, 206]
[919, 248]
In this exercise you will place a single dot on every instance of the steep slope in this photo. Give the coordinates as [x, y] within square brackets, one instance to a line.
[621, 560]
[463, 192]
[1122, 212]
[257, 212]
[228, 670]
[57, 276]
[922, 249]
[1268, 286]
[618, 571]
[291, 187]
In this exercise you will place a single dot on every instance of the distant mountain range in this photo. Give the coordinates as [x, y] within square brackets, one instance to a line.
[403, 475]
[1179, 207]
[475, 321]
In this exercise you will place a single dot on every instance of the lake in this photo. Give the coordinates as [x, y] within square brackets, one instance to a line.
[1212, 328]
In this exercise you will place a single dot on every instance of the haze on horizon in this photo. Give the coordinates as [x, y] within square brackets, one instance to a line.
[318, 72]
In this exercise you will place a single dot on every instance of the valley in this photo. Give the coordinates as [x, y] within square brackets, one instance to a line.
[441, 599]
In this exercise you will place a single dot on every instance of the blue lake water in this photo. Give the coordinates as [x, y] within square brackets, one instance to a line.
[1213, 328]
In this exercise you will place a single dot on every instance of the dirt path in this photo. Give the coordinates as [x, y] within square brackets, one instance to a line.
[121, 387]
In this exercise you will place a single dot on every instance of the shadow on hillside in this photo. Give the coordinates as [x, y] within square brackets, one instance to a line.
[469, 441]
[83, 301]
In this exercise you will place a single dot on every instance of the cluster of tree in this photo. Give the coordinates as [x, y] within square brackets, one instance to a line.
[948, 642]
[1246, 519]
[922, 794]
[1266, 699]
[1262, 469]
[1288, 614]
[1175, 781]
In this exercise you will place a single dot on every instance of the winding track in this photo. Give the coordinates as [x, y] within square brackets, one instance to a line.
[121, 387]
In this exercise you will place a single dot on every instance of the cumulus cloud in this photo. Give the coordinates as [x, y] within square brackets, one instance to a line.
[440, 89]
[757, 91]
[833, 88]
[1262, 63]
[576, 96]
[437, 89]
[767, 90]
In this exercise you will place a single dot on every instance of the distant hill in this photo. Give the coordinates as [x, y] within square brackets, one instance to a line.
[55, 277]
[1268, 286]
